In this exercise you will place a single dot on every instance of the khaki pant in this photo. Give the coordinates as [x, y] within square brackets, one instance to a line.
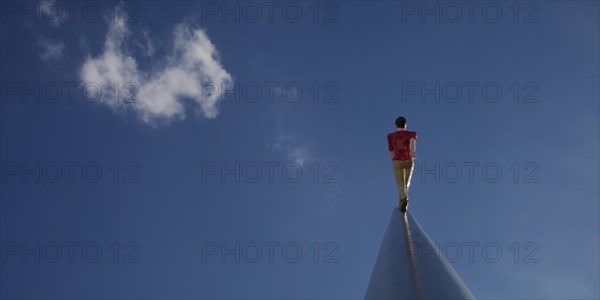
[403, 169]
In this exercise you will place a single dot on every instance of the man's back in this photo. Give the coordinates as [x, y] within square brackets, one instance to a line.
[399, 143]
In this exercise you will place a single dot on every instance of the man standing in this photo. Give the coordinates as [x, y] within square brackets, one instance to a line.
[402, 145]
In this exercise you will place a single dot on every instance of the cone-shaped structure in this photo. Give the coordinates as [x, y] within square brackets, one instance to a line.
[409, 266]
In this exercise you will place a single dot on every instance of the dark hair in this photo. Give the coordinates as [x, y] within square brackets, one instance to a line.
[401, 122]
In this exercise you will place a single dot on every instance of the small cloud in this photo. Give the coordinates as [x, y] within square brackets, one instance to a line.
[159, 96]
[144, 44]
[50, 50]
[298, 155]
[149, 46]
[50, 10]
[288, 145]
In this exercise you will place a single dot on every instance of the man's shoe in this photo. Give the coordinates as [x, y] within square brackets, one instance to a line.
[404, 206]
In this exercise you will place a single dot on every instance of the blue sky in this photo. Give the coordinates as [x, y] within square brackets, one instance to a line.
[331, 85]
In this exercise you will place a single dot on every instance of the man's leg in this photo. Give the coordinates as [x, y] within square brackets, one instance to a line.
[399, 173]
[408, 167]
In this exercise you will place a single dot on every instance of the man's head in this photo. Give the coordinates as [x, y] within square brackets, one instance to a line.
[401, 122]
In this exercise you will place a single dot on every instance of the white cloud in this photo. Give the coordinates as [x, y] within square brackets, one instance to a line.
[51, 12]
[148, 46]
[160, 94]
[288, 145]
[298, 154]
[50, 50]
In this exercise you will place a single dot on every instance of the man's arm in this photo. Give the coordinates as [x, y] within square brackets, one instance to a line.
[390, 146]
[413, 148]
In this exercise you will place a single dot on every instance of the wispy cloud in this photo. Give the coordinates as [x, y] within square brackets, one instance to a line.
[51, 11]
[291, 148]
[193, 61]
[298, 154]
[50, 50]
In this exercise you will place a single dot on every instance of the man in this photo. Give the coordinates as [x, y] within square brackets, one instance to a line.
[402, 145]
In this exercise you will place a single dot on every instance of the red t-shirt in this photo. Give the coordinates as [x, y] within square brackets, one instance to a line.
[399, 142]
